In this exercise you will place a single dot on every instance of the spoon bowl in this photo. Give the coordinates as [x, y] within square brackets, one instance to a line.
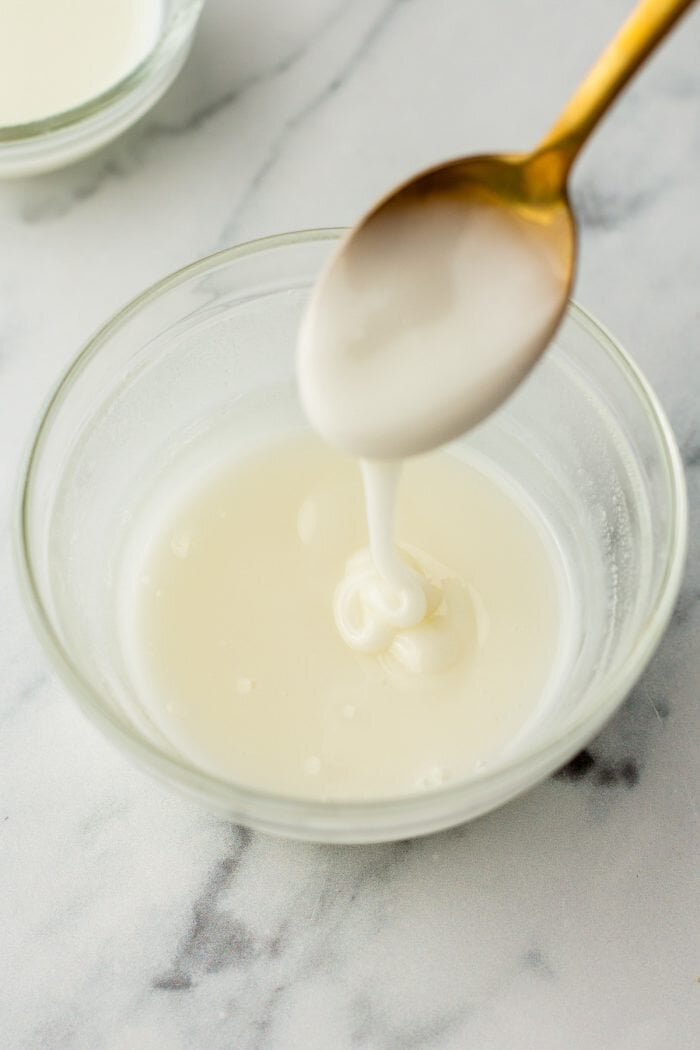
[471, 257]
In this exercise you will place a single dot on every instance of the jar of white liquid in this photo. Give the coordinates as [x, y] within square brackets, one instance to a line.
[201, 368]
[76, 73]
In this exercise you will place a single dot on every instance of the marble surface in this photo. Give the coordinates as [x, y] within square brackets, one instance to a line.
[130, 919]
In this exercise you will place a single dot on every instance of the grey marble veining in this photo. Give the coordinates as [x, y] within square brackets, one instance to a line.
[130, 919]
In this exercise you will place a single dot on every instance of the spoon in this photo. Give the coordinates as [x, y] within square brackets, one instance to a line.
[441, 299]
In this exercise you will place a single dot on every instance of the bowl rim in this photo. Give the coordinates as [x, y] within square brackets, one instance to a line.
[27, 133]
[372, 819]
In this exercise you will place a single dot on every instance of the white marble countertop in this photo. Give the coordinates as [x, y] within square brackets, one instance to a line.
[569, 920]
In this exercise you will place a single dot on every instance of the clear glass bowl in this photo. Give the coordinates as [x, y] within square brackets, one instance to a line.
[584, 435]
[43, 145]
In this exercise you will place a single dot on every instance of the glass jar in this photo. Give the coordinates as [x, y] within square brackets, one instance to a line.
[584, 435]
[60, 139]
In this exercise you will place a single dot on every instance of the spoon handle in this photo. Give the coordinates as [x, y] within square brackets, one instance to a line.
[638, 36]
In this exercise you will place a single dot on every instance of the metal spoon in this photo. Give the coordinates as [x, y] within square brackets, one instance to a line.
[363, 313]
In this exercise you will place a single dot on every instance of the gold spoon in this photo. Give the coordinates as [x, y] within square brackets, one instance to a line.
[530, 189]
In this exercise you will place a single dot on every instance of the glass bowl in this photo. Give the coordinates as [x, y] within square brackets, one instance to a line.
[584, 435]
[44, 145]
